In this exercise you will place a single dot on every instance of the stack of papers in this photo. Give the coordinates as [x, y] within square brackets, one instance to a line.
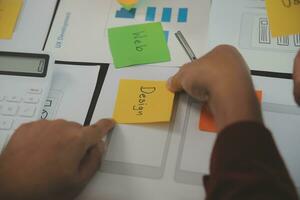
[114, 31]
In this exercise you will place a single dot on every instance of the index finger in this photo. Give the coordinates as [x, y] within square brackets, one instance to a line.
[296, 77]
[93, 134]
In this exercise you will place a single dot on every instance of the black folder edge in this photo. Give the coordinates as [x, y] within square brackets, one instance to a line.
[98, 87]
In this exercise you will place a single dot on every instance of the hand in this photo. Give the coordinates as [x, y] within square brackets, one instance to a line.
[221, 78]
[51, 159]
[296, 77]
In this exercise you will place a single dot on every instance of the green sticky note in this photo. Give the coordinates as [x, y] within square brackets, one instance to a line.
[138, 44]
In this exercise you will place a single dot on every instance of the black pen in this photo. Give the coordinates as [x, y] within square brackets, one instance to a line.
[185, 45]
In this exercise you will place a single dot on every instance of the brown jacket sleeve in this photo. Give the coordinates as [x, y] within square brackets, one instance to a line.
[246, 164]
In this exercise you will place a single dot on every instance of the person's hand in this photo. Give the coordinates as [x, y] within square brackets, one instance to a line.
[221, 78]
[296, 77]
[51, 159]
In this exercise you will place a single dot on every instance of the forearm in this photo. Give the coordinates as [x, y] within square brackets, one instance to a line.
[246, 164]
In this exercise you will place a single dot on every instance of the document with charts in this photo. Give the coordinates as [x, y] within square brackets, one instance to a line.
[30, 32]
[79, 31]
[244, 24]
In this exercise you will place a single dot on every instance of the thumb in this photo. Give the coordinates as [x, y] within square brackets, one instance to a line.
[174, 83]
[296, 77]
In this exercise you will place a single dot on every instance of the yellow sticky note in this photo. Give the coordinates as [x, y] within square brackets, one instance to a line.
[9, 12]
[284, 17]
[141, 101]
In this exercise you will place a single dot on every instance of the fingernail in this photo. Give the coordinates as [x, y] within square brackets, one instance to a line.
[169, 80]
[111, 121]
[169, 83]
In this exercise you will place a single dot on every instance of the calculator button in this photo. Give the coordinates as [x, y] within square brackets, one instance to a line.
[5, 124]
[10, 109]
[31, 99]
[16, 99]
[35, 91]
[1, 107]
[27, 110]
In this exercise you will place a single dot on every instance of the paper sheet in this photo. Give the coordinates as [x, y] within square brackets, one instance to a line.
[138, 44]
[246, 26]
[189, 152]
[79, 31]
[9, 13]
[284, 17]
[71, 92]
[281, 116]
[141, 101]
[130, 150]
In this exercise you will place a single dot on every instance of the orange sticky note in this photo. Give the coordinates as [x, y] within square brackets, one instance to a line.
[207, 122]
[128, 4]
[141, 101]
[284, 17]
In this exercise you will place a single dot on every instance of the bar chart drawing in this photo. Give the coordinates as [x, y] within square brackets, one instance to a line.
[128, 14]
[152, 14]
[173, 17]
[166, 15]
[182, 15]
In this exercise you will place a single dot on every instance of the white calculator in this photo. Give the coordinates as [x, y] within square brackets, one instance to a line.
[25, 79]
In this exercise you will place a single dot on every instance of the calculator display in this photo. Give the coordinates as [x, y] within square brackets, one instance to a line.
[23, 65]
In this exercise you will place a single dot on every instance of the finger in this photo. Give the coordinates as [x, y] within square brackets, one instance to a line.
[174, 83]
[296, 77]
[63, 123]
[90, 164]
[93, 134]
